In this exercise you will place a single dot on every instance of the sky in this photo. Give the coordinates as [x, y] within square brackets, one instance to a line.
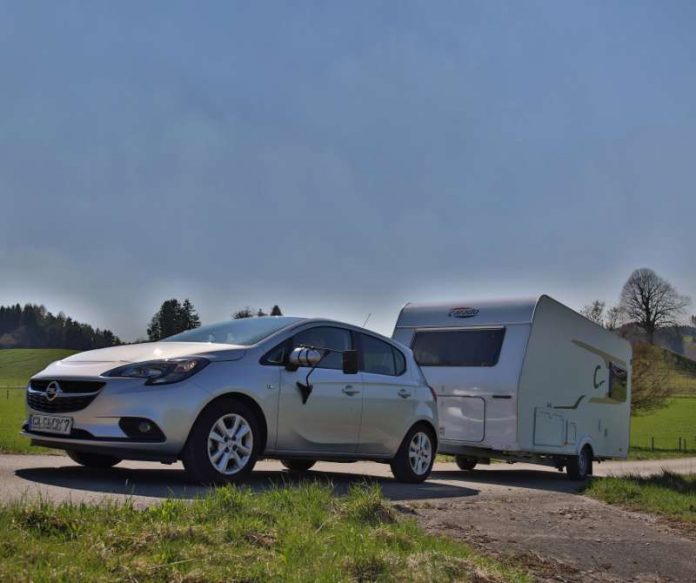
[341, 158]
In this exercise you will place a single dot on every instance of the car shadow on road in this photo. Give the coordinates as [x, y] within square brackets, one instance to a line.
[546, 480]
[173, 483]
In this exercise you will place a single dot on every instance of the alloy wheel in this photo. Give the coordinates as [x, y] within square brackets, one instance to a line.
[230, 444]
[420, 453]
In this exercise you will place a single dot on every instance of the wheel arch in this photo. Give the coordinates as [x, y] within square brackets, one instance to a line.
[242, 398]
[427, 423]
[586, 441]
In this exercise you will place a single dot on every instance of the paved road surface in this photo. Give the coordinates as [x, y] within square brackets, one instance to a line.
[56, 477]
[525, 512]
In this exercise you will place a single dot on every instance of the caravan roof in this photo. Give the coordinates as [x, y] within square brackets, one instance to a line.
[477, 312]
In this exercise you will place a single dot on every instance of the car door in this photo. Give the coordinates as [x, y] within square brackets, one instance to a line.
[329, 422]
[389, 399]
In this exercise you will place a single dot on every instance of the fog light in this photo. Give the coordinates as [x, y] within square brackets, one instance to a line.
[141, 429]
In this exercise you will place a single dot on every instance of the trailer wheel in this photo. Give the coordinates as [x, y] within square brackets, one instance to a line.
[465, 463]
[298, 465]
[580, 466]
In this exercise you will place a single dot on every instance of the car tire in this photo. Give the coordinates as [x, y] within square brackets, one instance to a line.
[465, 463]
[223, 445]
[579, 467]
[414, 460]
[93, 460]
[298, 465]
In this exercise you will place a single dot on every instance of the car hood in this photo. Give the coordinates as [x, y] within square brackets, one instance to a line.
[96, 362]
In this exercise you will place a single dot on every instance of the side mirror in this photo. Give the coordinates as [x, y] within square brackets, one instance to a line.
[302, 356]
[350, 362]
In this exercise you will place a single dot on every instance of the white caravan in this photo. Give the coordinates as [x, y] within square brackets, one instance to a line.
[522, 380]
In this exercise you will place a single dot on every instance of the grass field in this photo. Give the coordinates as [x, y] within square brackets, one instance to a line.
[668, 494]
[16, 366]
[301, 533]
[666, 425]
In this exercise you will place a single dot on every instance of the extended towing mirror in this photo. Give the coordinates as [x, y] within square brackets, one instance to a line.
[304, 356]
[310, 356]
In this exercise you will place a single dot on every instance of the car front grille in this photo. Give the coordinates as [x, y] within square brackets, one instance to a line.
[39, 402]
[71, 395]
[67, 385]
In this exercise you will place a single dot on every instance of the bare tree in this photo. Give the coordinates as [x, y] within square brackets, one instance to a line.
[594, 312]
[651, 302]
[614, 318]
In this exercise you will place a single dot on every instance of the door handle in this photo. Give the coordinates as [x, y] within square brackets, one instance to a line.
[350, 390]
[404, 393]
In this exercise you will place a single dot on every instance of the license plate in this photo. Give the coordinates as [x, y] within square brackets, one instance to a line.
[51, 424]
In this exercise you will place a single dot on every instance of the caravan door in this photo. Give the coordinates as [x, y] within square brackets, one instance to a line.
[474, 370]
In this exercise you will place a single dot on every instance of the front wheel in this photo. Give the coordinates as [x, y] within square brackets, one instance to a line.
[414, 460]
[298, 465]
[580, 466]
[93, 460]
[223, 445]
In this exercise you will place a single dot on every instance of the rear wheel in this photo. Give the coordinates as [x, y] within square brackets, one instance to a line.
[580, 466]
[465, 463]
[414, 460]
[298, 465]
[223, 445]
[93, 460]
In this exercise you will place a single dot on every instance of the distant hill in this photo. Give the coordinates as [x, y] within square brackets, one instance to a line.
[19, 364]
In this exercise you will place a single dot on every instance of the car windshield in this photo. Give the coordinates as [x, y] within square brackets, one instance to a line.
[243, 332]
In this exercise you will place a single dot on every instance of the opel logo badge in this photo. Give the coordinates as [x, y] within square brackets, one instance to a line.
[52, 390]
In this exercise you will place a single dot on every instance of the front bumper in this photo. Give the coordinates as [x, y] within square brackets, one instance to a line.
[99, 426]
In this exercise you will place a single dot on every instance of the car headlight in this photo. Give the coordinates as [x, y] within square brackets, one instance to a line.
[160, 372]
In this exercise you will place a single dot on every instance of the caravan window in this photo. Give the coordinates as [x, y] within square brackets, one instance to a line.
[618, 383]
[473, 347]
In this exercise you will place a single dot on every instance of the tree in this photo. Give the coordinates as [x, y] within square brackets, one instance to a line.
[275, 311]
[594, 312]
[173, 317]
[614, 318]
[243, 313]
[190, 317]
[651, 302]
[651, 378]
[261, 313]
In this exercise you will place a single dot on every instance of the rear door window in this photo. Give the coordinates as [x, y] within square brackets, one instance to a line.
[472, 347]
[380, 358]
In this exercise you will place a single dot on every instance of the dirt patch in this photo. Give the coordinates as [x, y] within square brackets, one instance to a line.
[564, 536]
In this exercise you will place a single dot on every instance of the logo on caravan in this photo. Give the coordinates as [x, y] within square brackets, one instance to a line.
[463, 312]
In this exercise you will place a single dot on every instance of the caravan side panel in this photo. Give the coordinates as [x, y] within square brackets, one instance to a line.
[570, 390]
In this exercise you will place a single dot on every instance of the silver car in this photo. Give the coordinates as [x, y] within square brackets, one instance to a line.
[220, 397]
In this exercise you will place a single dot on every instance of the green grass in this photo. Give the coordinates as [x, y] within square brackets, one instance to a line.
[12, 415]
[301, 533]
[16, 367]
[676, 420]
[667, 494]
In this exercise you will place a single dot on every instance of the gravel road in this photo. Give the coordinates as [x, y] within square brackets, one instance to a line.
[522, 511]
